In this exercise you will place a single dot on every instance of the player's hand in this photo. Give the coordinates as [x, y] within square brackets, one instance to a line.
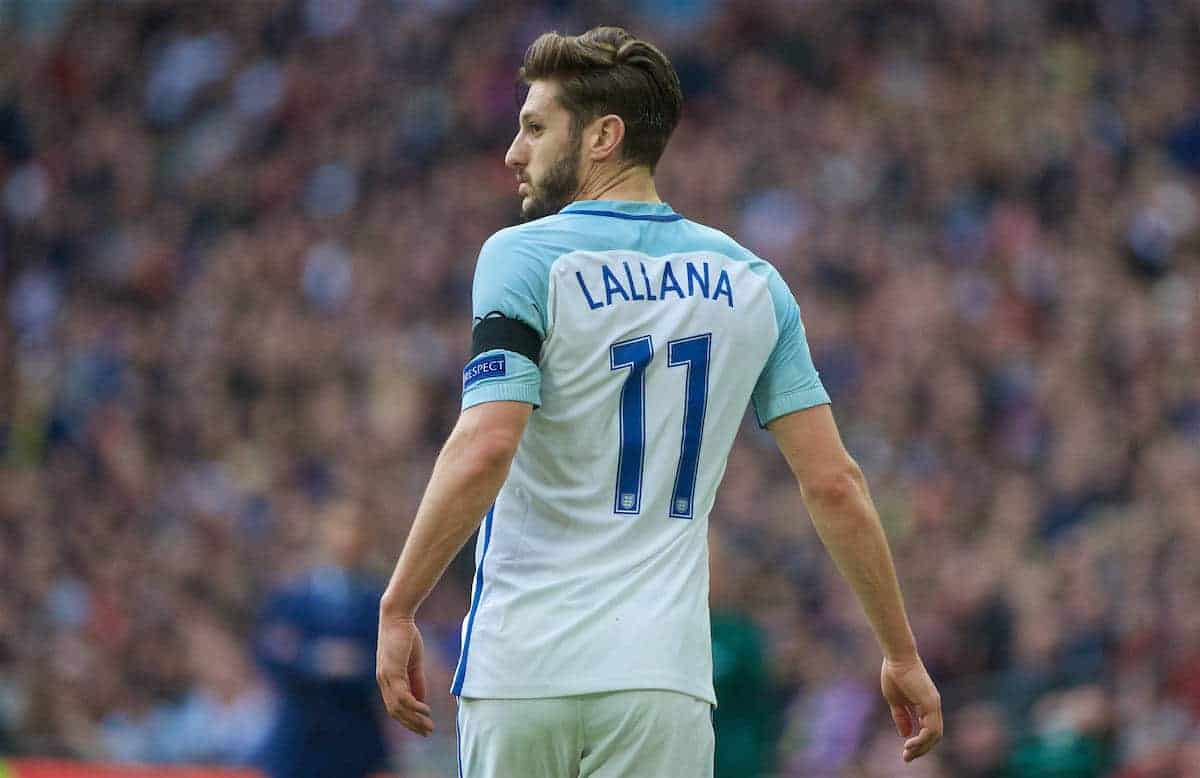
[401, 675]
[915, 703]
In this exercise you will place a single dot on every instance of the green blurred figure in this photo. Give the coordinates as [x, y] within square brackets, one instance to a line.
[745, 714]
[1072, 739]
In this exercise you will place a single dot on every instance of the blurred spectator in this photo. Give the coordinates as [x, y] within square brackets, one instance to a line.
[317, 643]
[236, 245]
[744, 719]
[223, 719]
[980, 748]
[1072, 736]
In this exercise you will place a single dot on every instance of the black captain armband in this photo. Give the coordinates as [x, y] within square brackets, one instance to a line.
[498, 331]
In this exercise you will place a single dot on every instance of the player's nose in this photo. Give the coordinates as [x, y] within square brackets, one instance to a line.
[516, 157]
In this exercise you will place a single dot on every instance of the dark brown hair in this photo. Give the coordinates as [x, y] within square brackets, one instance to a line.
[606, 70]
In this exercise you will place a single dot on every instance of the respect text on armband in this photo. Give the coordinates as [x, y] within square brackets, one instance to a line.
[483, 366]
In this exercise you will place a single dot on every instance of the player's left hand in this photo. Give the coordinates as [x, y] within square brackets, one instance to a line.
[400, 673]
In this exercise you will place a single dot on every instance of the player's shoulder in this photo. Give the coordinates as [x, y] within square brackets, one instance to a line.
[539, 241]
[712, 239]
[706, 238]
[548, 229]
[514, 238]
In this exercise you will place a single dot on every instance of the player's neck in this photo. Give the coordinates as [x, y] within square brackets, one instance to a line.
[634, 184]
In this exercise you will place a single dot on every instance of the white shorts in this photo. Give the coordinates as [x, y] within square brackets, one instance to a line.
[627, 734]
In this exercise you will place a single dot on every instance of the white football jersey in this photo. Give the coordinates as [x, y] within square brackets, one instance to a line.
[643, 337]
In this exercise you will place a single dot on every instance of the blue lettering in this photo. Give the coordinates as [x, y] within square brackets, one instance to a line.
[646, 278]
[664, 287]
[724, 288]
[612, 285]
[699, 279]
[591, 303]
[632, 286]
[693, 277]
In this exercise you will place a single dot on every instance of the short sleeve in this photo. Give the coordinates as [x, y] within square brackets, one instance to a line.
[789, 380]
[510, 283]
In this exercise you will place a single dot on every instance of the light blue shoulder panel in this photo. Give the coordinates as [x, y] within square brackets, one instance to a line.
[511, 279]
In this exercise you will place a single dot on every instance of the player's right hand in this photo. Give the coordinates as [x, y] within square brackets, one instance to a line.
[399, 670]
[915, 703]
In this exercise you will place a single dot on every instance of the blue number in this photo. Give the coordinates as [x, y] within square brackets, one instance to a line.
[634, 354]
[692, 353]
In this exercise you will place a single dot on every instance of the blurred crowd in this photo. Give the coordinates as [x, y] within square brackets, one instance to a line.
[237, 241]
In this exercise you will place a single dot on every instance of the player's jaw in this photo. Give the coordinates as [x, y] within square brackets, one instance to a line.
[552, 190]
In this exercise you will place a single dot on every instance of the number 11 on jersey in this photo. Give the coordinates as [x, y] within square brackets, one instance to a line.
[691, 353]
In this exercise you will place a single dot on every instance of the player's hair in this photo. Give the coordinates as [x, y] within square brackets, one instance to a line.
[607, 70]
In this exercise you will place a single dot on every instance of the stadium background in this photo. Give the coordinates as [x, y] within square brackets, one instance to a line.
[236, 242]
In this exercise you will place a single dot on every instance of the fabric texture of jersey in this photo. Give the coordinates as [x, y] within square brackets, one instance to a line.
[592, 566]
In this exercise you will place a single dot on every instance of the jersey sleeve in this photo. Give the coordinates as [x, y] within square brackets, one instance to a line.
[789, 380]
[508, 300]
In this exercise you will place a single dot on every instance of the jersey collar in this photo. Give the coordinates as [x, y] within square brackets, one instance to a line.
[623, 209]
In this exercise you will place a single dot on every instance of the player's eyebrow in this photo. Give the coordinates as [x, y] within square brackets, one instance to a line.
[529, 116]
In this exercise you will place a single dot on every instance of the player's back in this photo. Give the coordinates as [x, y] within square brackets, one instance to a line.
[655, 332]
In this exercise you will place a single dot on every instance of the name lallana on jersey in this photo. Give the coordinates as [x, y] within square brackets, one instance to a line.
[628, 286]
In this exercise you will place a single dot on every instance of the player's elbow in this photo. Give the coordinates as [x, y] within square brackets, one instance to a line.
[836, 485]
[486, 447]
[494, 451]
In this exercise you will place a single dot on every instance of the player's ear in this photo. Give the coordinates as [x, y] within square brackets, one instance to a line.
[604, 137]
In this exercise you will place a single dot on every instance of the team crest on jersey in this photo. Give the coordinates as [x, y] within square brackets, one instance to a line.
[681, 506]
[483, 366]
[628, 501]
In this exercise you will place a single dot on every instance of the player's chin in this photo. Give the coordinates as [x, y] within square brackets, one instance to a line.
[531, 209]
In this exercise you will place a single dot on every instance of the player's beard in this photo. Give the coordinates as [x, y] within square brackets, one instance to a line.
[556, 188]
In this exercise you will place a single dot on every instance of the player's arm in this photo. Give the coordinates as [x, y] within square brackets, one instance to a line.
[501, 387]
[790, 401]
[465, 481]
[835, 492]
